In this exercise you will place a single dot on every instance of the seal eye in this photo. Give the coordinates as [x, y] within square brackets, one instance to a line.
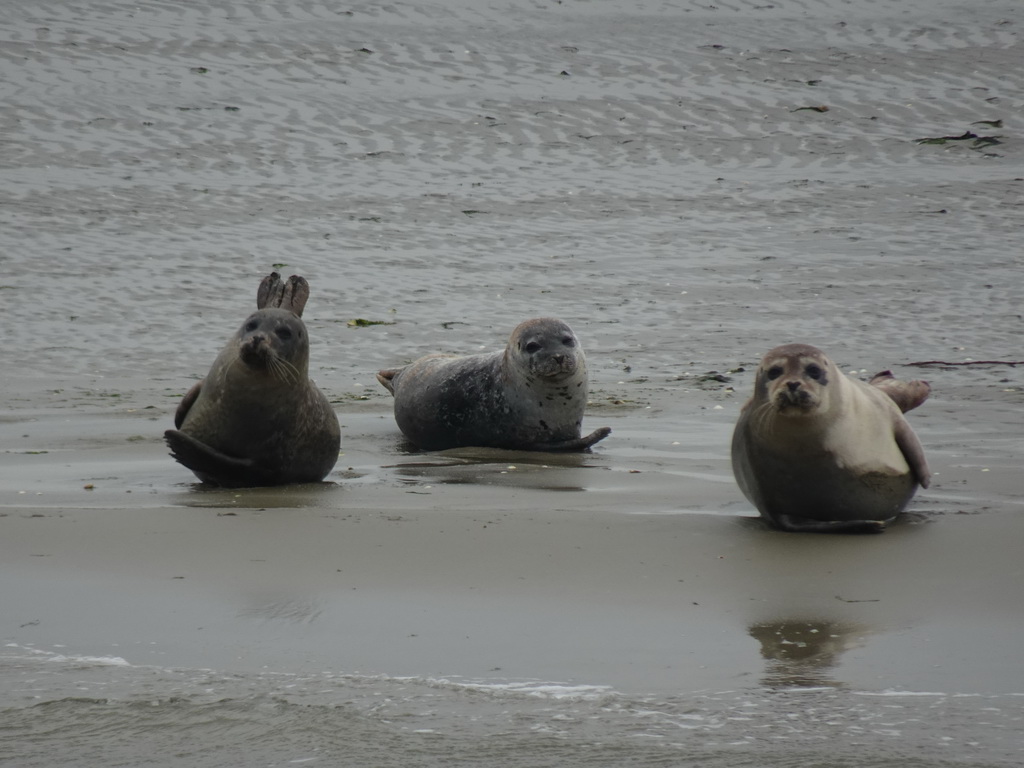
[569, 341]
[532, 347]
[774, 372]
[814, 372]
[283, 333]
[251, 326]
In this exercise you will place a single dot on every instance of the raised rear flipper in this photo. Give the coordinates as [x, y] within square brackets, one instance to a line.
[906, 394]
[275, 293]
[387, 378]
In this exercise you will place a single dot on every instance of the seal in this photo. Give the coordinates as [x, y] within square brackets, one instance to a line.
[817, 451]
[257, 419]
[529, 396]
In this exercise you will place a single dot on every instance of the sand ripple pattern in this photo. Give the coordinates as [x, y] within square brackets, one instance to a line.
[662, 174]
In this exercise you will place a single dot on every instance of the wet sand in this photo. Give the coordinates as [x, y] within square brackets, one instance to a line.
[657, 178]
[639, 566]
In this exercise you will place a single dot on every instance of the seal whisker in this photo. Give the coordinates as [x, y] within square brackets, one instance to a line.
[283, 370]
[276, 369]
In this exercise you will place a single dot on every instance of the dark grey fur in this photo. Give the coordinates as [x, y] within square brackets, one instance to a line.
[257, 419]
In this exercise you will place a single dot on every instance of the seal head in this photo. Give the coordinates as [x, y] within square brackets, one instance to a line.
[796, 382]
[546, 349]
[273, 342]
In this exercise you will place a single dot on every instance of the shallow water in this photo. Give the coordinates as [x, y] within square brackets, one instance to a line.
[652, 175]
[121, 715]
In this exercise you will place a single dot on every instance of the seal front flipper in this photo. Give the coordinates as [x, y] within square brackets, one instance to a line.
[576, 444]
[209, 464]
[186, 403]
[913, 452]
[792, 524]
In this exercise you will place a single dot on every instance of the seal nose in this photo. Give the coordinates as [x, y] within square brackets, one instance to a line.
[255, 342]
[559, 358]
[793, 386]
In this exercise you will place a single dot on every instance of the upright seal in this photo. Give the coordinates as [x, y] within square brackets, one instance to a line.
[529, 396]
[257, 419]
[817, 451]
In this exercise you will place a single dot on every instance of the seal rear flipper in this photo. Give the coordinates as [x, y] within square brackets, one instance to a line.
[387, 378]
[209, 464]
[906, 394]
[792, 524]
[269, 292]
[576, 444]
[273, 293]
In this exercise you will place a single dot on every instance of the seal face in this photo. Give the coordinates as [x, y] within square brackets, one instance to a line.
[529, 396]
[257, 419]
[815, 450]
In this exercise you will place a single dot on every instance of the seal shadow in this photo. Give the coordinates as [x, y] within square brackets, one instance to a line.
[751, 520]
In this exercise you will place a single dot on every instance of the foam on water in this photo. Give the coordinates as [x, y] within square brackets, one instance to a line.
[55, 657]
[535, 688]
[73, 705]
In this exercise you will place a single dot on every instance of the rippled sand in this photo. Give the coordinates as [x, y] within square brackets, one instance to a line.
[687, 184]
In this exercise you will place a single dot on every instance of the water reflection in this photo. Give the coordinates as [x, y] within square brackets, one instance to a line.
[272, 497]
[803, 653]
[482, 455]
[493, 466]
[287, 609]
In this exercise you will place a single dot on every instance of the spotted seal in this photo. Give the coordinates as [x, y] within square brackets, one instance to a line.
[529, 396]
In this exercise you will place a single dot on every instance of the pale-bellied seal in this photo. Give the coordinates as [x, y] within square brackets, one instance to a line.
[818, 451]
[529, 396]
[257, 419]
